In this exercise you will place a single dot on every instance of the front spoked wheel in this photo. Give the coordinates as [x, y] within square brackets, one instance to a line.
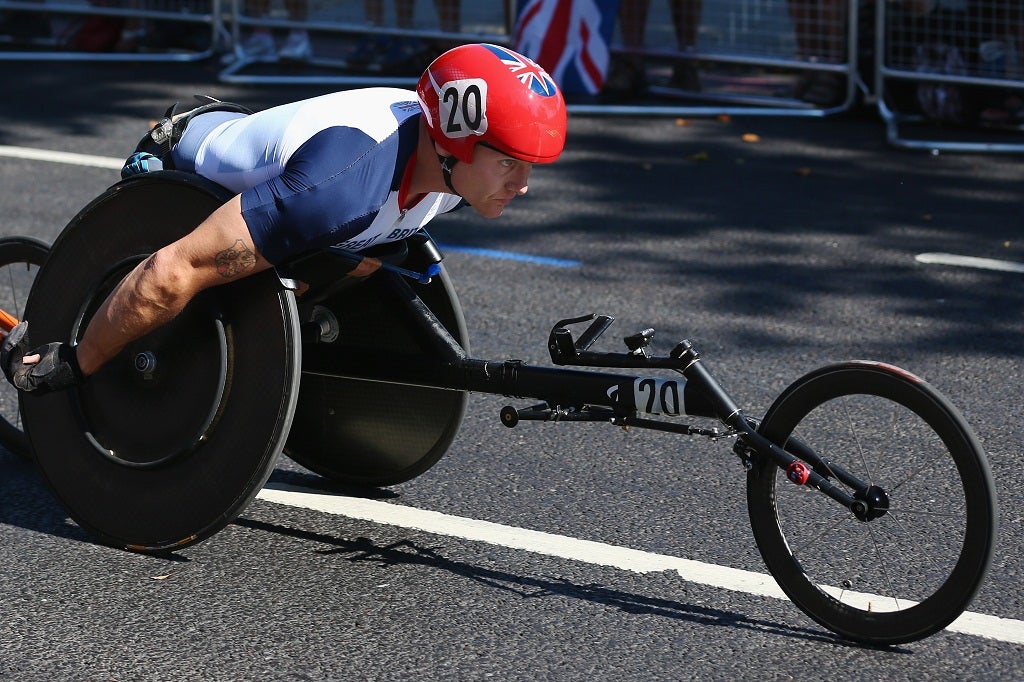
[913, 566]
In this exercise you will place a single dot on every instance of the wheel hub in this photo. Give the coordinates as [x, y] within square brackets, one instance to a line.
[871, 504]
[144, 363]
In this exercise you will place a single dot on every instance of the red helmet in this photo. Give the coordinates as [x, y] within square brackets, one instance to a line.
[486, 93]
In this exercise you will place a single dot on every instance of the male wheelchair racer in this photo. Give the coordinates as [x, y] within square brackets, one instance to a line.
[363, 378]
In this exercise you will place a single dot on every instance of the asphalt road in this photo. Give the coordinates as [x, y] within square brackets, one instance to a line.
[774, 254]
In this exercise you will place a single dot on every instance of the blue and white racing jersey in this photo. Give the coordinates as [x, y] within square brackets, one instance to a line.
[318, 172]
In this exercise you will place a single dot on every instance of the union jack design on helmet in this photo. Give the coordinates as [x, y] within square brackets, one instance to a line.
[529, 72]
[491, 94]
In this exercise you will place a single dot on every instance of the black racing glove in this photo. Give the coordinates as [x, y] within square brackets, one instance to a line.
[56, 370]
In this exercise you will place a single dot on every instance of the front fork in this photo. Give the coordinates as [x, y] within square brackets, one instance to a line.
[751, 445]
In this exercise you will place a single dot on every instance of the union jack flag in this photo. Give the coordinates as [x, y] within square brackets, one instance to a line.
[569, 38]
[526, 70]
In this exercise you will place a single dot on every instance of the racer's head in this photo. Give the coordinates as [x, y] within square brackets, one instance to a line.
[481, 102]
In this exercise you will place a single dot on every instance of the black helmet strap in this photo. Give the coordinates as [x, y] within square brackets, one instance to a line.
[447, 164]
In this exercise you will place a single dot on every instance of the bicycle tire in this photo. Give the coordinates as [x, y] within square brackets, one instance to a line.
[20, 260]
[912, 571]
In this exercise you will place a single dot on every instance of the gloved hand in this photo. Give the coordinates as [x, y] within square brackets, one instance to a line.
[141, 162]
[57, 368]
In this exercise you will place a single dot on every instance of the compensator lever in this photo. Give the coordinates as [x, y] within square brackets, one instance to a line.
[596, 328]
[561, 345]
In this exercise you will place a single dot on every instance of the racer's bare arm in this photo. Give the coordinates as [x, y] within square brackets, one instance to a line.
[219, 250]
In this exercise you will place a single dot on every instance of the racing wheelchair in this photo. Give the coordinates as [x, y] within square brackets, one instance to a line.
[870, 498]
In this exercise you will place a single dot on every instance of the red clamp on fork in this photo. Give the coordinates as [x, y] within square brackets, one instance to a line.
[798, 473]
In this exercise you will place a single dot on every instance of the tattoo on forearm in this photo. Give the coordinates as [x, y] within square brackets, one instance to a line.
[235, 260]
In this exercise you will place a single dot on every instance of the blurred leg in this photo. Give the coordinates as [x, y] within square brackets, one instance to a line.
[449, 13]
[686, 16]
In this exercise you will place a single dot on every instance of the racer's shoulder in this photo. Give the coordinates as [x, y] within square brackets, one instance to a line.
[344, 101]
[379, 112]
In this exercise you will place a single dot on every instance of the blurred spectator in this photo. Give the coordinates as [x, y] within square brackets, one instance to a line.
[628, 75]
[150, 34]
[23, 26]
[399, 53]
[124, 31]
[260, 43]
[820, 28]
[449, 14]
[967, 39]
[999, 26]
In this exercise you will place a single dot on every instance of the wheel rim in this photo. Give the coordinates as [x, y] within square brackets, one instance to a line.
[913, 569]
[889, 556]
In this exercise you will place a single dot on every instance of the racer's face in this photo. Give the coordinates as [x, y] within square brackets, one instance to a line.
[491, 181]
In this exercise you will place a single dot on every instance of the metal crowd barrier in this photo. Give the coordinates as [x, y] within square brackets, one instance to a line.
[748, 57]
[770, 57]
[950, 74]
[342, 28]
[110, 30]
[755, 56]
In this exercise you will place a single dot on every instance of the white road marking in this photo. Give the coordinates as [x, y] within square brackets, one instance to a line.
[586, 551]
[969, 262]
[61, 157]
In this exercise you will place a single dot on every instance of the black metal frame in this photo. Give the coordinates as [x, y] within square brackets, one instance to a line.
[586, 395]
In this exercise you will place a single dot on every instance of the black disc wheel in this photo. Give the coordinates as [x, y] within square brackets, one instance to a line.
[366, 433]
[912, 564]
[20, 260]
[171, 439]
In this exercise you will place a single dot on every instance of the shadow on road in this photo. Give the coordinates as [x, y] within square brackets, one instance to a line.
[405, 552]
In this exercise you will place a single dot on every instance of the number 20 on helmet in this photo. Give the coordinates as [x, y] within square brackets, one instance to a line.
[489, 94]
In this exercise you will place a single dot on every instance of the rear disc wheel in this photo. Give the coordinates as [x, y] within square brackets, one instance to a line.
[172, 438]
